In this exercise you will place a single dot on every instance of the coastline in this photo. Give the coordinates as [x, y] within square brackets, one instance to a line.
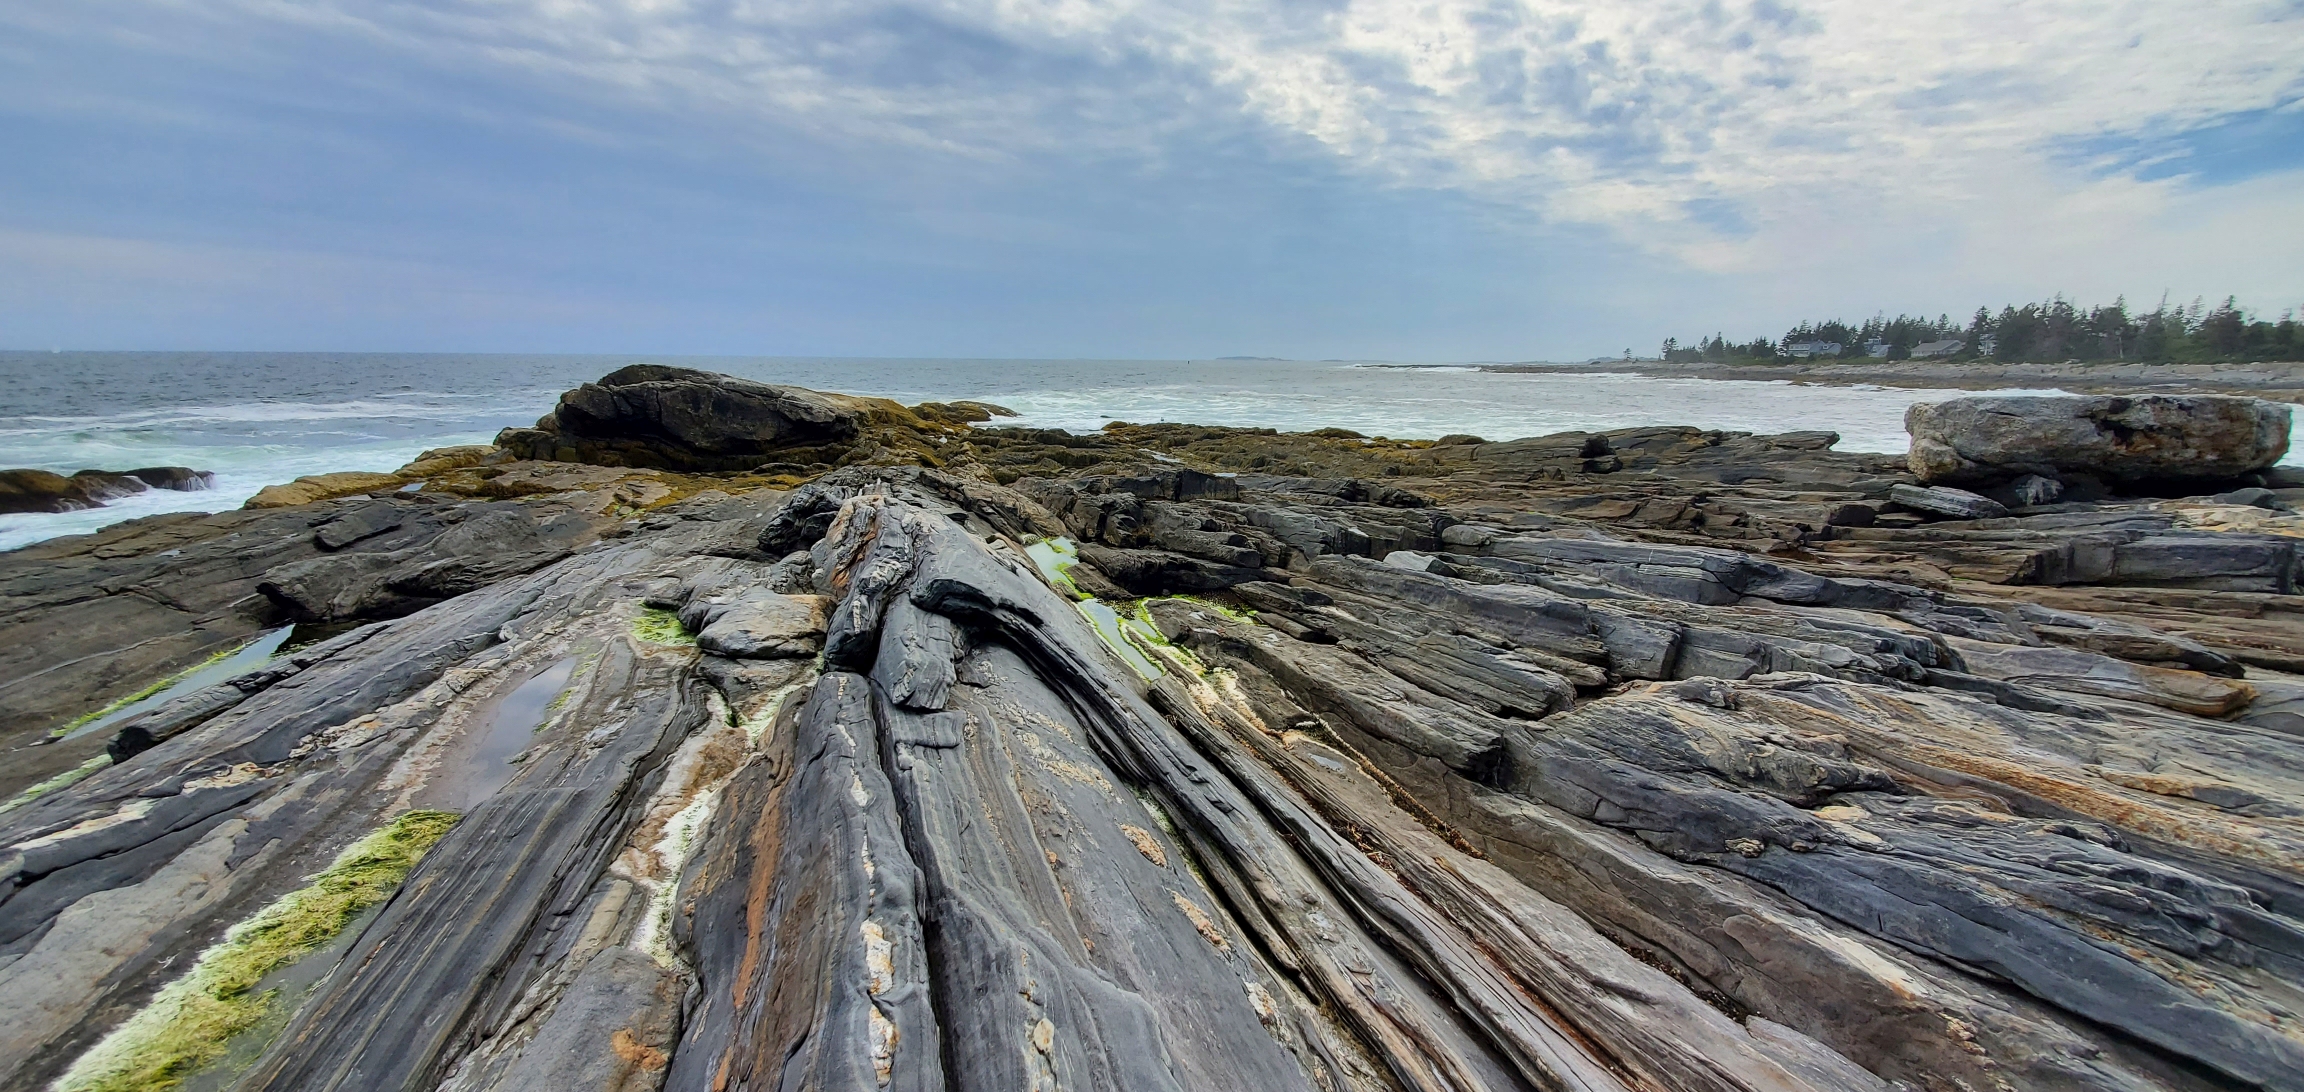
[2280, 381]
[743, 679]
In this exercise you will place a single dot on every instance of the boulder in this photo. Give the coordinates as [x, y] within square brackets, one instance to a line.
[1991, 440]
[48, 491]
[962, 412]
[671, 418]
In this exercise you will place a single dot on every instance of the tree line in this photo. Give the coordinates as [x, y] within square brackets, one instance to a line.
[2039, 332]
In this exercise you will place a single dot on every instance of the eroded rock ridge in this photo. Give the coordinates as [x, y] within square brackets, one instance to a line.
[923, 755]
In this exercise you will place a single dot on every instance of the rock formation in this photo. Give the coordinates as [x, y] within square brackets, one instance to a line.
[683, 419]
[1165, 758]
[48, 491]
[2122, 441]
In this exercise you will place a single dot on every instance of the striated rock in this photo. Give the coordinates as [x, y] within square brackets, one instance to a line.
[2150, 438]
[47, 491]
[1943, 500]
[1607, 761]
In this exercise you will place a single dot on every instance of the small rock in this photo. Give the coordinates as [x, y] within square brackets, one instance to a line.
[2033, 490]
[2253, 497]
[1706, 691]
[1410, 560]
[1944, 500]
[1852, 515]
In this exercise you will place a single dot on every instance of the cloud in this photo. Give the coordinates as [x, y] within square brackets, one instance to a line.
[1671, 120]
[1799, 153]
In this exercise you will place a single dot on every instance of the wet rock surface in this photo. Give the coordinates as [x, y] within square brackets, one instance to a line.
[48, 491]
[1652, 759]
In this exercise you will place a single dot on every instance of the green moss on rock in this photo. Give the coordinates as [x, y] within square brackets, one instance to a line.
[191, 1021]
[660, 627]
[62, 780]
[76, 723]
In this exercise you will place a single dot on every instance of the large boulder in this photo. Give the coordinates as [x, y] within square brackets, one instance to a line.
[653, 415]
[2118, 440]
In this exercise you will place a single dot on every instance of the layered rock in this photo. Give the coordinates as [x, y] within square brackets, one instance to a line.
[1639, 760]
[48, 491]
[2125, 441]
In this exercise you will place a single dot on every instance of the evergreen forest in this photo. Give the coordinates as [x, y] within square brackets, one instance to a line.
[2057, 330]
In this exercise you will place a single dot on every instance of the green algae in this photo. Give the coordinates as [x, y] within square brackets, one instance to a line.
[59, 781]
[191, 1021]
[660, 627]
[246, 656]
[1122, 633]
[1053, 556]
[1127, 629]
[85, 719]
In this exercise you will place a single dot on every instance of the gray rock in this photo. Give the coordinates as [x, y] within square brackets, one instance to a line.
[759, 624]
[1992, 439]
[612, 1031]
[1628, 768]
[2033, 490]
[2254, 496]
[1943, 500]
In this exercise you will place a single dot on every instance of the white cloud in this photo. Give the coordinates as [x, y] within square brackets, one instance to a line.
[1734, 135]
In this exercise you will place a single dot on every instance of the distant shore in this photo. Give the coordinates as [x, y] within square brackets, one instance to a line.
[2279, 381]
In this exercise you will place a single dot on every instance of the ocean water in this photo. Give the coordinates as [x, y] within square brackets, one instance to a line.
[255, 419]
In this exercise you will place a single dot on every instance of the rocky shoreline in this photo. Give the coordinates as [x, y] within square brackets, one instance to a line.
[753, 738]
[25, 490]
[2279, 381]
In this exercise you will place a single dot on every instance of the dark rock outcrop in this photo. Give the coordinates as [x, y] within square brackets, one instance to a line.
[1989, 440]
[48, 491]
[1620, 761]
[681, 419]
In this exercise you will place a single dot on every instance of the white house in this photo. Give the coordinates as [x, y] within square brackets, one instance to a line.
[1812, 348]
[1928, 349]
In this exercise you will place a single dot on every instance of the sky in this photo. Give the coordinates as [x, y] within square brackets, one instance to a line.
[1366, 179]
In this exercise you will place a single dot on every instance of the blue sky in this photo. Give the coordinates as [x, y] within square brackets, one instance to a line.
[1439, 180]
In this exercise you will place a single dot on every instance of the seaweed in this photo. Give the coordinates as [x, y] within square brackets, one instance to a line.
[657, 626]
[190, 1022]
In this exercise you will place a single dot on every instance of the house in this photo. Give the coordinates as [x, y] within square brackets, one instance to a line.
[1927, 349]
[1875, 347]
[1812, 348]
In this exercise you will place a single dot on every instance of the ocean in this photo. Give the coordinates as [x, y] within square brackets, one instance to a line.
[259, 418]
